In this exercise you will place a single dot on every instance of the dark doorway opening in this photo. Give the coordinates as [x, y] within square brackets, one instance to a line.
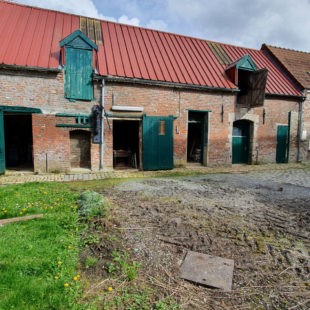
[18, 141]
[195, 137]
[80, 149]
[126, 144]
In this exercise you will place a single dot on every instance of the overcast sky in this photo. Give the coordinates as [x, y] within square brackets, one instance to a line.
[284, 23]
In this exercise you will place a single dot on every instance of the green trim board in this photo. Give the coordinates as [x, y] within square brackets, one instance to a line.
[5, 108]
[123, 116]
[78, 39]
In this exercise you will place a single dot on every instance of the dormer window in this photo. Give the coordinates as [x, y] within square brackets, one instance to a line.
[77, 52]
[251, 82]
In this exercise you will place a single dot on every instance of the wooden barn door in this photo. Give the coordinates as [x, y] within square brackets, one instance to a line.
[80, 149]
[157, 148]
[2, 145]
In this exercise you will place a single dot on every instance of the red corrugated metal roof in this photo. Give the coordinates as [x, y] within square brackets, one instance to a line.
[30, 36]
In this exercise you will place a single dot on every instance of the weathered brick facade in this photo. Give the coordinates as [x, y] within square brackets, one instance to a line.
[166, 101]
[51, 144]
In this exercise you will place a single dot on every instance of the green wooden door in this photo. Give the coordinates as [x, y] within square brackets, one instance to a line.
[281, 155]
[157, 142]
[241, 142]
[2, 148]
[78, 77]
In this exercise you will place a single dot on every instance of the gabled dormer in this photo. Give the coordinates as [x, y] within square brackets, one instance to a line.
[250, 81]
[77, 58]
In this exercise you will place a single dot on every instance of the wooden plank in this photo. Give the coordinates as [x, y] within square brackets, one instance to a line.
[21, 218]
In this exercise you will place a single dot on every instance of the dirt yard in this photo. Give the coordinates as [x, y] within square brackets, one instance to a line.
[261, 220]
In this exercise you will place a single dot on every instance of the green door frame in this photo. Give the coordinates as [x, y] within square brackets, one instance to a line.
[241, 143]
[2, 145]
[157, 142]
[10, 109]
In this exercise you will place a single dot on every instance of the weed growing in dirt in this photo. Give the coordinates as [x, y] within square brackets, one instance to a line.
[91, 204]
[129, 269]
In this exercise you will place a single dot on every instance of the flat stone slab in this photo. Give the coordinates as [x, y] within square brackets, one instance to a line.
[208, 270]
[21, 218]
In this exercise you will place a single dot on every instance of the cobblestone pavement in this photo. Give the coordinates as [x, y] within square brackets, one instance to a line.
[293, 173]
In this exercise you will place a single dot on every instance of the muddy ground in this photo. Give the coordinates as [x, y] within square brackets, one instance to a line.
[260, 220]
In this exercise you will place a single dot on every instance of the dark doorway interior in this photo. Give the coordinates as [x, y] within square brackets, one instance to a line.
[125, 144]
[80, 149]
[195, 137]
[18, 141]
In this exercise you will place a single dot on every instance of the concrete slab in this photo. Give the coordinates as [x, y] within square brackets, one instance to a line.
[208, 270]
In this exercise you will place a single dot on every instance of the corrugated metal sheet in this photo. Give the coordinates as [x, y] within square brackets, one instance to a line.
[30, 37]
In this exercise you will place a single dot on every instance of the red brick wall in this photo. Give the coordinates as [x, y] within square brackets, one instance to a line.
[45, 91]
[167, 101]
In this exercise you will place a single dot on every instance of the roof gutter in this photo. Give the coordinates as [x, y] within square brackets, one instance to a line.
[164, 84]
[287, 96]
[26, 68]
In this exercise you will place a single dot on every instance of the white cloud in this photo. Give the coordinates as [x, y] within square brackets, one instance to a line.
[130, 21]
[157, 24]
[249, 23]
[84, 8]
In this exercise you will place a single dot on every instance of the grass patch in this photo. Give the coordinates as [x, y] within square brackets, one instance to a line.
[39, 258]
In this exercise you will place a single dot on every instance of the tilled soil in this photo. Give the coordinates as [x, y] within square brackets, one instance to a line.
[260, 223]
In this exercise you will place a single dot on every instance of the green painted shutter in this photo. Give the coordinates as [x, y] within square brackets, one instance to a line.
[281, 144]
[78, 74]
[2, 146]
[157, 142]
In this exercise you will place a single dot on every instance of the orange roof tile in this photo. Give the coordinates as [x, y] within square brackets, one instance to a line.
[296, 63]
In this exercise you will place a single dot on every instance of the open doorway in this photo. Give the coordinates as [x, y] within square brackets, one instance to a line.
[195, 137]
[18, 141]
[126, 144]
[80, 149]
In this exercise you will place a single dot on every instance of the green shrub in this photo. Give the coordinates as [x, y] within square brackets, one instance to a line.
[91, 204]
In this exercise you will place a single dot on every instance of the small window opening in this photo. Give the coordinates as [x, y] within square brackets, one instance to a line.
[161, 128]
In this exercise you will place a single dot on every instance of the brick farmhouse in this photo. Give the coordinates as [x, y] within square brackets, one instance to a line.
[77, 92]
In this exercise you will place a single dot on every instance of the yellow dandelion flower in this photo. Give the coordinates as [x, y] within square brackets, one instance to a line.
[66, 284]
[44, 193]
[59, 262]
[110, 289]
[75, 278]
[69, 246]
[78, 276]
[52, 208]
[24, 210]
[20, 213]
[56, 278]
[5, 211]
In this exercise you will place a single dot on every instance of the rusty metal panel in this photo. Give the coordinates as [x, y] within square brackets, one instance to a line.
[219, 53]
[98, 32]
[208, 270]
[83, 25]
